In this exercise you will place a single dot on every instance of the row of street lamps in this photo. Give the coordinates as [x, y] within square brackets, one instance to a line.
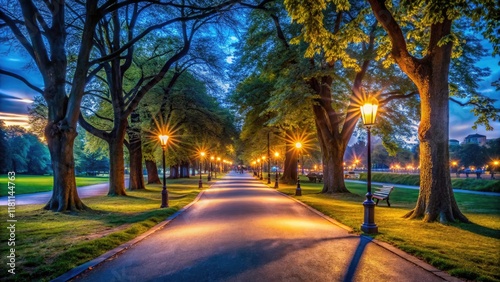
[164, 192]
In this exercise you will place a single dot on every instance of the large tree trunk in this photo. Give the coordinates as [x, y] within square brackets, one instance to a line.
[60, 141]
[174, 172]
[332, 140]
[152, 169]
[136, 180]
[436, 200]
[116, 168]
[290, 170]
[333, 168]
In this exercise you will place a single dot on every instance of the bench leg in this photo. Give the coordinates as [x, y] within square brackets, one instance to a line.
[388, 204]
[377, 203]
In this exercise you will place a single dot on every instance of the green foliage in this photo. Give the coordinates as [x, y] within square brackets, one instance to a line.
[26, 153]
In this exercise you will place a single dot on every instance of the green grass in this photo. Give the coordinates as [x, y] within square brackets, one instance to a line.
[468, 251]
[49, 243]
[26, 184]
[486, 185]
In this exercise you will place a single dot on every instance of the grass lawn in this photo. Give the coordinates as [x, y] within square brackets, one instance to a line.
[469, 251]
[26, 184]
[49, 243]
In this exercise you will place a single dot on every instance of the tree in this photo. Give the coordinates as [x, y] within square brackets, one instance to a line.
[430, 74]
[46, 45]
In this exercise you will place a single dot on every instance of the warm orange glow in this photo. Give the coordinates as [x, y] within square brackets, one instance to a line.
[276, 154]
[163, 139]
[212, 158]
[369, 111]
[454, 163]
[495, 162]
[202, 154]
[298, 145]
[218, 159]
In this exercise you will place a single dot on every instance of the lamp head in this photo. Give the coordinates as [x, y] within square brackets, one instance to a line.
[369, 111]
[163, 140]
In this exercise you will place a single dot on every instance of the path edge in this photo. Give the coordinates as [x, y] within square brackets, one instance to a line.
[408, 257]
[123, 247]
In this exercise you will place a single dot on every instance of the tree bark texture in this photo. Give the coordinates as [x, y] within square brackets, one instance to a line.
[289, 175]
[116, 166]
[174, 172]
[436, 200]
[332, 140]
[136, 181]
[152, 169]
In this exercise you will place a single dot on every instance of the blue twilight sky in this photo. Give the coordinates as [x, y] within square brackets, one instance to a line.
[15, 95]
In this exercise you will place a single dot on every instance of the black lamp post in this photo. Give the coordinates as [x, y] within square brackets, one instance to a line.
[164, 193]
[298, 190]
[200, 183]
[369, 113]
[276, 155]
[217, 166]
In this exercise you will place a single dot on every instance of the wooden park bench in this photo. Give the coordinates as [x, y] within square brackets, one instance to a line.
[313, 177]
[383, 194]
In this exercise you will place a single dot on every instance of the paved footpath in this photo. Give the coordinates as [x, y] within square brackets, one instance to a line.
[240, 230]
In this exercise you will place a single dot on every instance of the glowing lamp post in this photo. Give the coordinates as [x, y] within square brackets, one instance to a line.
[200, 183]
[261, 170]
[164, 193]
[298, 190]
[276, 155]
[217, 166]
[368, 114]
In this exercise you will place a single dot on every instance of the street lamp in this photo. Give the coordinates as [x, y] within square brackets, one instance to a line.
[276, 155]
[164, 193]
[298, 190]
[200, 183]
[368, 114]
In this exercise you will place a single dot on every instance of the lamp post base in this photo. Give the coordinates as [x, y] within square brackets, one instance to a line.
[200, 184]
[369, 225]
[298, 190]
[164, 198]
[276, 184]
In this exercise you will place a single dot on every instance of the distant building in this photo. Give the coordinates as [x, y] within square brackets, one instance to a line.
[475, 139]
[453, 142]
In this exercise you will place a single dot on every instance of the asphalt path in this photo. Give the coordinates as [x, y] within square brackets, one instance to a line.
[240, 230]
[41, 198]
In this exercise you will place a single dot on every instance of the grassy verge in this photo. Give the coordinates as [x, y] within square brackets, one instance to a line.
[467, 251]
[26, 184]
[49, 243]
[485, 185]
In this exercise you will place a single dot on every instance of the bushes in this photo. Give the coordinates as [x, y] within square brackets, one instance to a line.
[484, 185]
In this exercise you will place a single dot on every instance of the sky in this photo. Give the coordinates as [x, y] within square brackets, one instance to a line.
[15, 96]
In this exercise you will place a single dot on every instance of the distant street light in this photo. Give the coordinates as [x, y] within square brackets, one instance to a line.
[217, 166]
[164, 193]
[276, 155]
[368, 114]
[200, 183]
[298, 190]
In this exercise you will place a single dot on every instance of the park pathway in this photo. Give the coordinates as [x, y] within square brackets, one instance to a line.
[240, 230]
